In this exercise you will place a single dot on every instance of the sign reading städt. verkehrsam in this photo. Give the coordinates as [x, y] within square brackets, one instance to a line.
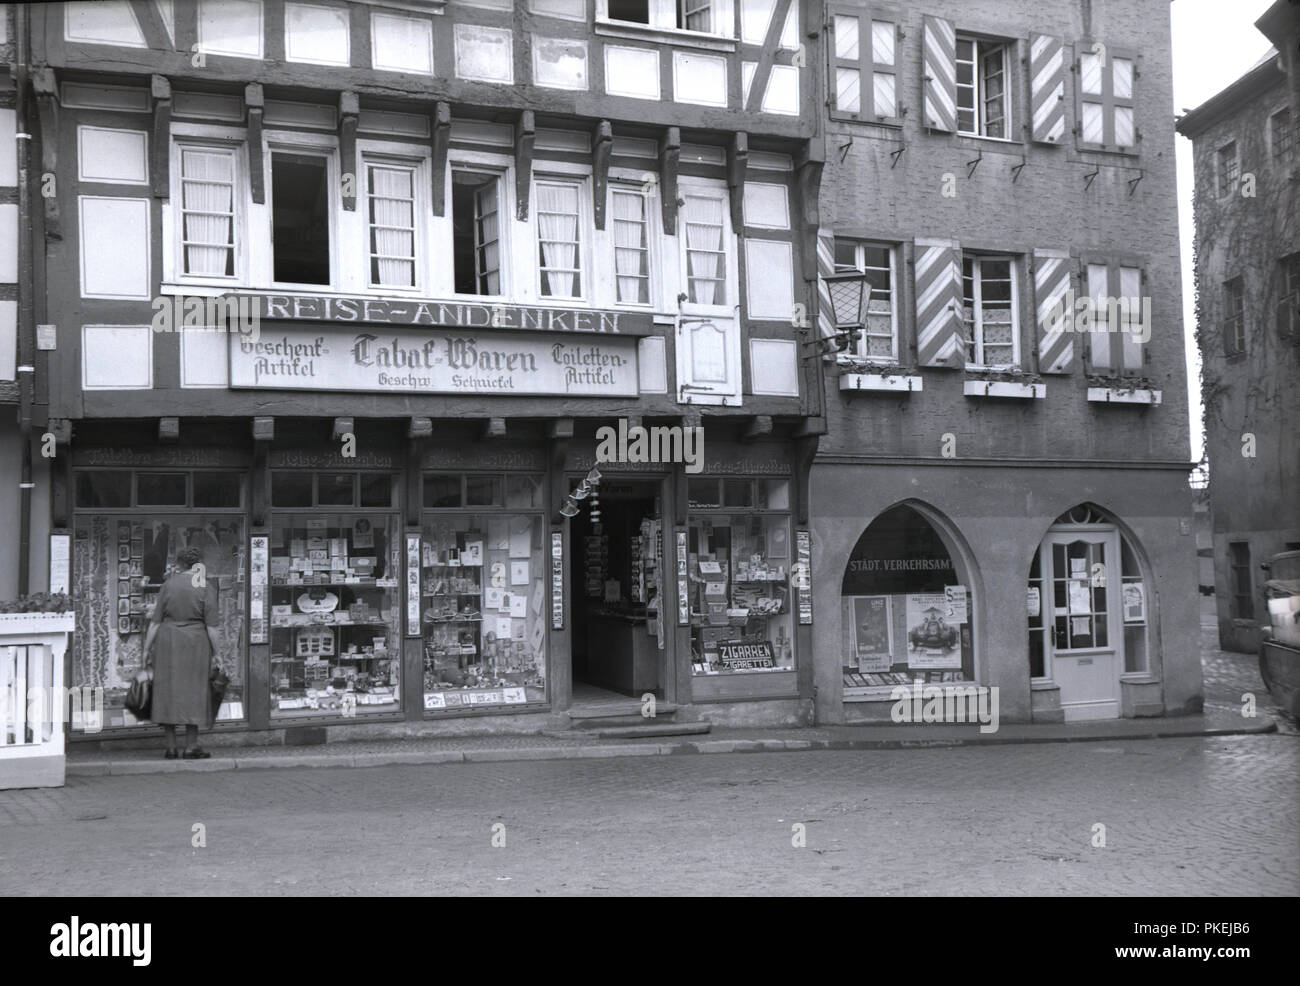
[399, 360]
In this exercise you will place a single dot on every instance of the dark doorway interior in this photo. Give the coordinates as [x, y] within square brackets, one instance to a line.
[613, 585]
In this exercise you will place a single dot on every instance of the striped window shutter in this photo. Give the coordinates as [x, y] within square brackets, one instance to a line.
[825, 265]
[1055, 325]
[940, 74]
[938, 304]
[1047, 88]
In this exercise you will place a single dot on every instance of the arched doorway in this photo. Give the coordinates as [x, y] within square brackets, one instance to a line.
[906, 607]
[1088, 603]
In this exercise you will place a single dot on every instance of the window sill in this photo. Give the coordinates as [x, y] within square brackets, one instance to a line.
[1116, 395]
[991, 140]
[1014, 390]
[422, 7]
[663, 35]
[884, 381]
[887, 693]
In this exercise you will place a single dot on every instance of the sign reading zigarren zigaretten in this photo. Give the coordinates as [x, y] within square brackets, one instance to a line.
[399, 360]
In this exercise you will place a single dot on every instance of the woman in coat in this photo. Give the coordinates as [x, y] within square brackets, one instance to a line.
[180, 645]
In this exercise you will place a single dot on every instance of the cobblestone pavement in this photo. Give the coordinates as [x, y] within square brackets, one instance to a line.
[1203, 815]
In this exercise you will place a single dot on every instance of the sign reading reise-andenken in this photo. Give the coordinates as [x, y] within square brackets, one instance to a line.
[422, 361]
[447, 314]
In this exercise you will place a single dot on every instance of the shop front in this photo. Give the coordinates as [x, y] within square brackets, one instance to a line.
[444, 576]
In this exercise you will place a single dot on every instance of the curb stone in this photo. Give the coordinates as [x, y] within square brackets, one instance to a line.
[342, 758]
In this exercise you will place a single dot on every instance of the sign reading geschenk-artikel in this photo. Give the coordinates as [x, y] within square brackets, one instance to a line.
[436, 362]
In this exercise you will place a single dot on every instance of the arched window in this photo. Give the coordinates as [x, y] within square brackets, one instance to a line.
[905, 607]
[1088, 610]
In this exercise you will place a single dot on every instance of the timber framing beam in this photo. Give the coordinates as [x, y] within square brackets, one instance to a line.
[759, 427]
[560, 428]
[169, 430]
[254, 104]
[441, 141]
[47, 108]
[737, 162]
[494, 428]
[602, 145]
[525, 135]
[808, 175]
[349, 114]
[160, 165]
[670, 152]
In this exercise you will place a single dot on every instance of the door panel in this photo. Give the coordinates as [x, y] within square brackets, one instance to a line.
[1086, 650]
[708, 331]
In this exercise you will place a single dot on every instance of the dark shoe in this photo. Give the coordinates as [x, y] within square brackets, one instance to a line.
[198, 753]
[170, 755]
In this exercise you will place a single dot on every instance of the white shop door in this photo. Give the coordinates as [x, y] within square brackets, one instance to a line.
[708, 329]
[1085, 633]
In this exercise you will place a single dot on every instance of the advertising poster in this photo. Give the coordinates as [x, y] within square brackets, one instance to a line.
[933, 639]
[1135, 603]
[872, 633]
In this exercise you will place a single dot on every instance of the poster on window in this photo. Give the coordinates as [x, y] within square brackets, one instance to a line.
[1080, 597]
[933, 638]
[1135, 603]
[955, 597]
[872, 637]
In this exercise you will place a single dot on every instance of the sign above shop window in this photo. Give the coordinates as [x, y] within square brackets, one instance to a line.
[412, 361]
[449, 314]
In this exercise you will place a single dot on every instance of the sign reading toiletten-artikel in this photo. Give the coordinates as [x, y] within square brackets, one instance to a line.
[398, 360]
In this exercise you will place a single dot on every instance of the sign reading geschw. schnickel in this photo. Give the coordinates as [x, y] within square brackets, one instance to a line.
[433, 362]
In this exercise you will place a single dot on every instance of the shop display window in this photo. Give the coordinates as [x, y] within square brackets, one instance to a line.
[905, 607]
[125, 547]
[739, 567]
[335, 600]
[484, 605]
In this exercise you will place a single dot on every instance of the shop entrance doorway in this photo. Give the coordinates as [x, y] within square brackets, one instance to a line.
[1087, 642]
[619, 644]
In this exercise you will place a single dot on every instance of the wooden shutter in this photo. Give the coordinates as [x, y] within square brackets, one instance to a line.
[938, 304]
[940, 63]
[850, 58]
[1110, 96]
[825, 265]
[1047, 88]
[1055, 322]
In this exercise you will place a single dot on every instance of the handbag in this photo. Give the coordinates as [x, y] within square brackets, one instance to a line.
[139, 697]
[218, 681]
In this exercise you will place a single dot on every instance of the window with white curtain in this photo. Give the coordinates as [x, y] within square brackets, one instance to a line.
[559, 243]
[989, 308]
[630, 208]
[390, 189]
[878, 338]
[704, 216]
[208, 178]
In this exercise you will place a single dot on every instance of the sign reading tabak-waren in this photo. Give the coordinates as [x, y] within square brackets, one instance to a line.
[401, 360]
[447, 314]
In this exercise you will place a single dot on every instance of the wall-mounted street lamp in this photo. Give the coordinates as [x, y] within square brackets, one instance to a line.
[850, 294]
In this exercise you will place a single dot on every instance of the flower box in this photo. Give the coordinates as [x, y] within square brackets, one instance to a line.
[901, 382]
[1124, 395]
[1015, 389]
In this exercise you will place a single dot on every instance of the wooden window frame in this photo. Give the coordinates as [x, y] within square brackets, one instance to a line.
[1225, 177]
[864, 65]
[860, 339]
[1288, 144]
[1106, 99]
[1234, 571]
[419, 207]
[306, 145]
[586, 227]
[976, 329]
[174, 253]
[983, 46]
[620, 186]
[1233, 324]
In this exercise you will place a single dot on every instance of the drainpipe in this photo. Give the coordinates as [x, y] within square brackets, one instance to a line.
[26, 306]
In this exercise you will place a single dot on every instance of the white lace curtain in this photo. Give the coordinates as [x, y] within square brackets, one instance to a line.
[489, 246]
[207, 203]
[557, 228]
[704, 249]
[630, 247]
[392, 226]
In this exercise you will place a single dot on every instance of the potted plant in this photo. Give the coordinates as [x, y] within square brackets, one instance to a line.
[39, 612]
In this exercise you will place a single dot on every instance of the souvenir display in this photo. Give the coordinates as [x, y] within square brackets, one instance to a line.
[335, 616]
